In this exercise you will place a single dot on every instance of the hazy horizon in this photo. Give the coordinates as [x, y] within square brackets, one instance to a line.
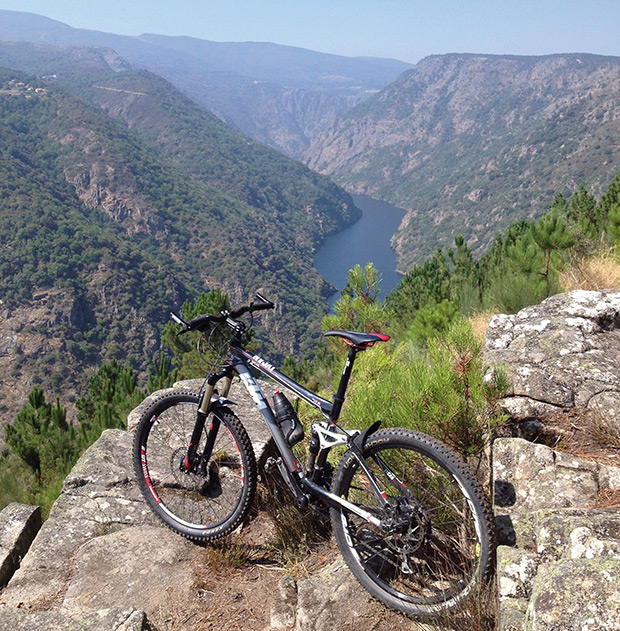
[407, 30]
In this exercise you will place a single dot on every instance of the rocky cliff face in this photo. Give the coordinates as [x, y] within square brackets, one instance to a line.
[470, 143]
[287, 118]
[557, 514]
[280, 95]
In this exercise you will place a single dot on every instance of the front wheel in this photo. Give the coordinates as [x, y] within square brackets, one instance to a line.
[437, 542]
[210, 498]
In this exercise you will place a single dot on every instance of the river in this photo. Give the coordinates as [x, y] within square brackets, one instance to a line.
[365, 241]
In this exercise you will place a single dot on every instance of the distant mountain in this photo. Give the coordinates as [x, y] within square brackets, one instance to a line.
[280, 95]
[119, 204]
[471, 143]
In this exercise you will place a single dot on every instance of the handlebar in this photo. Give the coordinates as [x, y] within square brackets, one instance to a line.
[204, 321]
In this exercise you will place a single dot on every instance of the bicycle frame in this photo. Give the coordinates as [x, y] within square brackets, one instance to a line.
[238, 361]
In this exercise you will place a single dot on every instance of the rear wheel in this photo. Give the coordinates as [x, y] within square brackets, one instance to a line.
[438, 542]
[210, 498]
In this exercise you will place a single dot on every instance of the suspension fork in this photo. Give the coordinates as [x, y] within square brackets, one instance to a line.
[204, 407]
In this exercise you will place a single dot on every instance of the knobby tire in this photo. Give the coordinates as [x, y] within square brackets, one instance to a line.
[441, 544]
[202, 505]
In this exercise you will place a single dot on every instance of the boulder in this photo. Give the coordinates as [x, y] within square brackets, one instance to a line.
[99, 496]
[561, 566]
[576, 594]
[19, 525]
[562, 353]
[103, 560]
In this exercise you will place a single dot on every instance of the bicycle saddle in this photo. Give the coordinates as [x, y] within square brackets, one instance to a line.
[359, 340]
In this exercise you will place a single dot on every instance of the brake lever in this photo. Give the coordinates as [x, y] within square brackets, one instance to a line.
[180, 322]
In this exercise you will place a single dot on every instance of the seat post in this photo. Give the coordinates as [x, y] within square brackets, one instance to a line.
[344, 382]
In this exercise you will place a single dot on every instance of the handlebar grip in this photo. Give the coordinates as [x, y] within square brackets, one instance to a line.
[262, 306]
[179, 321]
[199, 322]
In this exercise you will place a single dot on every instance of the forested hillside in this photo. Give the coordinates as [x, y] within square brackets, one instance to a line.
[281, 95]
[106, 226]
[468, 144]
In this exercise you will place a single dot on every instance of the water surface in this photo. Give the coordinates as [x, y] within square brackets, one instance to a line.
[366, 241]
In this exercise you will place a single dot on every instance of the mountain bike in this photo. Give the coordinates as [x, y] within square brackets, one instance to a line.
[411, 522]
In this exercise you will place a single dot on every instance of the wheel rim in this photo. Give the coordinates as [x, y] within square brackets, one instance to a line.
[436, 557]
[196, 501]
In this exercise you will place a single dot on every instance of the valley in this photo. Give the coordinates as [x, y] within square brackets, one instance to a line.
[151, 162]
[469, 144]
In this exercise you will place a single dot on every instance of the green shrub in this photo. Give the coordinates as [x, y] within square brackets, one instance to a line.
[443, 392]
[432, 320]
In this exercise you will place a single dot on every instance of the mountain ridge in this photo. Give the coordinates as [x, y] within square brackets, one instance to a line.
[471, 143]
[216, 75]
[104, 231]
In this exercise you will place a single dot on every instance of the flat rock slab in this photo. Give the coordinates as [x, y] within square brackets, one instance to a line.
[117, 619]
[129, 568]
[528, 476]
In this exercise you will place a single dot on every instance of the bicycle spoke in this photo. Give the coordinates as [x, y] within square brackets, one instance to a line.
[431, 551]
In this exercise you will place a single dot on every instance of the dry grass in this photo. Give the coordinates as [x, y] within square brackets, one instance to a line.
[599, 272]
[479, 324]
[605, 431]
[476, 613]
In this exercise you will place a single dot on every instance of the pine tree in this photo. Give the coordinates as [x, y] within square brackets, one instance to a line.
[585, 213]
[162, 375]
[358, 308]
[184, 350]
[432, 321]
[428, 283]
[41, 436]
[465, 277]
[608, 207]
[551, 234]
[613, 216]
[112, 393]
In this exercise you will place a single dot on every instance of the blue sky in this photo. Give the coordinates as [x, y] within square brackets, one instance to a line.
[403, 29]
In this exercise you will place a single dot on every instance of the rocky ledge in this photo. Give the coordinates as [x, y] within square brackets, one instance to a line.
[102, 562]
[558, 565]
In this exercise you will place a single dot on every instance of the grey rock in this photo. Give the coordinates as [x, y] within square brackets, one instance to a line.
[115, 619]
[563, 569]
[330, 599]
[98, 497]
[513, 615]
[320, 599]
[19, 524]
[516, 570]
[129, 568]
[576, 595]
[560, 354]
[283, 611]
[528, 476]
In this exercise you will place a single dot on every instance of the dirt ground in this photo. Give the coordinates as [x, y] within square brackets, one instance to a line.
[235, 583]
